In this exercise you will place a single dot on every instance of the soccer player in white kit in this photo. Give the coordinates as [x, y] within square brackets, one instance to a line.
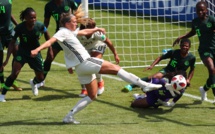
[96, 44]
[86, 66]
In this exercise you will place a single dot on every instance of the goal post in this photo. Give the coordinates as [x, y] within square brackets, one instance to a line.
[141, 29]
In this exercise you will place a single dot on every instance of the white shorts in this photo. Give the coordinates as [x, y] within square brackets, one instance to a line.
[100, 48]
[86, 70]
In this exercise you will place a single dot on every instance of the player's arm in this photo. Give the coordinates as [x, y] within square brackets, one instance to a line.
[14, 20]
[46, 22]
[15, 34]
[191, 33]
[73, 6]
[85, 32]
[113, 50]
[47, 44]
[47, 16]
[156, 61]
[46, 33]
[191, 72]
[9, 51]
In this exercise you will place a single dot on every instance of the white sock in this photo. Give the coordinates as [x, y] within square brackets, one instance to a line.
[80, 105]
[40, 84]
[99, 77]
[2, 96]
[131, 78]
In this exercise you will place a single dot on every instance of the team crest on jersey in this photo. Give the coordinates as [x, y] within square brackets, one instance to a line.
[186, 63]
[206, 54]
[38, 34]
[209, 25]
[66, 8]
[18, 58]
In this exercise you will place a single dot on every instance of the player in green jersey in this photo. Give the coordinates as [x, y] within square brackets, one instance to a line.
[55, 8]
[6, 29]
[180, 59]
[29, 33]
[204, 27]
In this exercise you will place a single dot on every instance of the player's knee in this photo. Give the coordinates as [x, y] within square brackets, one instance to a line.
[93, 97]
[115, 68]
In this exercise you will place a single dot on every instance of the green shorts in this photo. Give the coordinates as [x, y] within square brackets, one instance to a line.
[206, 54]
[35, 63]
[5, 41]
[164, 71]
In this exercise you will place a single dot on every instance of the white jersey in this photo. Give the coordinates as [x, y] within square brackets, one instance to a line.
[97, 39]
[74, 51]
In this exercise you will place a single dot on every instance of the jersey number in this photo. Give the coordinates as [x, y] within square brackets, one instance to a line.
[198, 32]
[56, 16]
[173, 63]
[2, 9]
[101, 48]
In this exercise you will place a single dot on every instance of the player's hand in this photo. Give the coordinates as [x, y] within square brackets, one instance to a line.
[169, 104]
[102, 30]
[148, 68]
[34, 53]
[188, 83]
[176, 41]
[117, 59]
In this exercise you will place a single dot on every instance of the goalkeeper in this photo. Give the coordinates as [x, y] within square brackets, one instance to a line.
[156, 98]
[180, 59]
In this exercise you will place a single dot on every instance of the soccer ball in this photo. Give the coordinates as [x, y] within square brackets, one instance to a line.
[178, 82]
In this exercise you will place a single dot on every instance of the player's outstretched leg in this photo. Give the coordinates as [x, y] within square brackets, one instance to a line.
[131, 78]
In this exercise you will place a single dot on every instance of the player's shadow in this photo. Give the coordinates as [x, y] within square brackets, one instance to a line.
[64, 94]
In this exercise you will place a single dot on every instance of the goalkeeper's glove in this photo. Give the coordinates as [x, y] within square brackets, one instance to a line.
[166, 104]
[169, 104]
[171, 90]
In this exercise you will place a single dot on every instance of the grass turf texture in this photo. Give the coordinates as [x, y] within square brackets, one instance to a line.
[109, 114]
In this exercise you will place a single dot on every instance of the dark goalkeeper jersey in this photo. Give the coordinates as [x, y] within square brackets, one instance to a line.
[51, 9]
[204, 30]
[5, 16]
[177, 62]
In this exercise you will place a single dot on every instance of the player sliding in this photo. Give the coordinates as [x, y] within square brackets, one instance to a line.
[162, 96]
[86, 66]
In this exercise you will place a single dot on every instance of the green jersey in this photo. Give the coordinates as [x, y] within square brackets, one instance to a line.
[29, 40]
[51, 9]
[205, 31]
[5, 17]
[177, 62]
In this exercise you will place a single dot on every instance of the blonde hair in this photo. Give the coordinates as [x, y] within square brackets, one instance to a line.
[79, 14]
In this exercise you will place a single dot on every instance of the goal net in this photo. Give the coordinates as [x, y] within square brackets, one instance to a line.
[141, 29]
